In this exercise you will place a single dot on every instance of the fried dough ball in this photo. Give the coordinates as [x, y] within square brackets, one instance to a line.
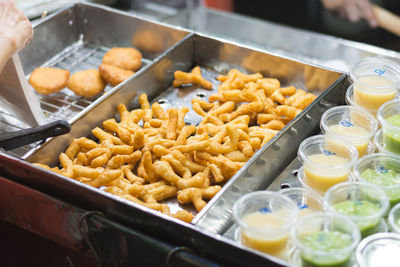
[127, 58]
[114, 75]
[86, 83]
[48, 80]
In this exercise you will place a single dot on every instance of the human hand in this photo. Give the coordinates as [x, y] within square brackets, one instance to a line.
[353, 10]
[15, 29]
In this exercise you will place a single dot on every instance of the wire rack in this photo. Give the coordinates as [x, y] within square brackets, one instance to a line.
[63, 105]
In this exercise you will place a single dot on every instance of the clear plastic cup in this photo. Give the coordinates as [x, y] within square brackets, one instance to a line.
[380, 145]
[326, 239]
[382, 171]
[379, 250]
[351, 124]
[326, 160]
[375, 81]
[394, 219]
[389, 118]
[265, 219]
[308, 201]
[363, 203]
[350, 101]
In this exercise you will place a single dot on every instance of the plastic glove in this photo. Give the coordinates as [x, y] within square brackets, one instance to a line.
[353, 10]
[15, 30]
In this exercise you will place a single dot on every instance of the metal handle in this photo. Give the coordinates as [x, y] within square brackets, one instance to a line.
[16, 139]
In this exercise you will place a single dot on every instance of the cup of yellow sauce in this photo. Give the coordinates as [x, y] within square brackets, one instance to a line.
[389, 118]
[382, 171]
[394, 219]
[265, 219]
[308, 201]
[375, 81]
[362, 203]
[351, 124]
[327, 161]
[350, 101]
[326, 239]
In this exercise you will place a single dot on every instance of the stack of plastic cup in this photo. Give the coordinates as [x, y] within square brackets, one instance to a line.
[379, 250]
[326, 161]
[351, 124]
[389, 118]
[363, 203]
[326, 239]
[380, 170]
[265, 219]
[375, 81]
[394, 219]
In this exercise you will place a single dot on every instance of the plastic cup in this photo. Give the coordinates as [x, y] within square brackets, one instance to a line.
[308, 201]
[363, 203]
[326, 239]
[380, 171]
[380, 145]
[394, 219]
[326, 161]
[389, 118]
[375, 81]
[350, 101]
[265, 219]
[351, 124]
[379, 250]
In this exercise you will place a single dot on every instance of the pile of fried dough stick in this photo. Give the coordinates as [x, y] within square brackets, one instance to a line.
[164, 157]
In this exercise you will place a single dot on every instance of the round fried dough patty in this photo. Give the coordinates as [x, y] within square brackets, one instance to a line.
[48, 80]
[86, 83]
[114, 75]
[127, 58]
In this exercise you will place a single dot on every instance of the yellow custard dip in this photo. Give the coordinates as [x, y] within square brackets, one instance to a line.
[353, 131]
[266, 243]
[368, 91]
[322, 179]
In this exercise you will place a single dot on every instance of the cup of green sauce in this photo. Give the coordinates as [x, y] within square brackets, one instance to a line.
[394, 219]
[326, 239]
[389, 118]
[380, 145]
[363, 203]
[381, 170]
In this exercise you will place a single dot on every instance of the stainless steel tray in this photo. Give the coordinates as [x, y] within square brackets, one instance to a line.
[320, 49]
[214, 56]
[76, 39]
[193, 51]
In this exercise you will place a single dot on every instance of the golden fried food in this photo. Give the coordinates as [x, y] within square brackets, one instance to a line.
[86, 83]
[193, 77]
[48, 80]
[114, 75]
[126, 58]
[152, 155]
[148, 41]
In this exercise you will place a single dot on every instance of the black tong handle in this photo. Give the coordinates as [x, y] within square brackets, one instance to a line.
[16, 139]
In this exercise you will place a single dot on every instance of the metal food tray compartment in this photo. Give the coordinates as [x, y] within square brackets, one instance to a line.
[300, 44]
[215, 57]
[75, 39]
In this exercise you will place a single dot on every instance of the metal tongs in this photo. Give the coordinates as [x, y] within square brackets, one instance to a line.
[24, 137]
